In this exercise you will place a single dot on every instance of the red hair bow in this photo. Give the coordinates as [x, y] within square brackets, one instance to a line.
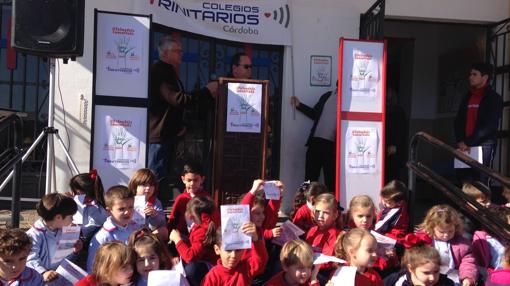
[93, 174]
[205, 218]
[418, 239]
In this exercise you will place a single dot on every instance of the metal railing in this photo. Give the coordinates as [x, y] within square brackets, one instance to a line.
[467, 205]
[10, 159]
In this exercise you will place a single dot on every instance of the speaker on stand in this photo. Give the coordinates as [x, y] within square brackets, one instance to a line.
[53, 29]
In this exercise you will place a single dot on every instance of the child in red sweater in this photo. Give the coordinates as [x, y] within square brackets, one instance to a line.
[192, 178]
[263, 213]
[322, 237]
[358, 247]
[231, 269]
[197, 253]
[296, 259]
[392, 219]
[302, 215]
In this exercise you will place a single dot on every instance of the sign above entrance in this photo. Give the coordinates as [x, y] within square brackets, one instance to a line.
[248, 21]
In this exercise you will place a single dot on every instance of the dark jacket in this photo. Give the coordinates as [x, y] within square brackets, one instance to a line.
[487, 121]
[392, 279]
[165, 118]
[314, 113]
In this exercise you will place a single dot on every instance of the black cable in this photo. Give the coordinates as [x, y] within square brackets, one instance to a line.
[65, 122]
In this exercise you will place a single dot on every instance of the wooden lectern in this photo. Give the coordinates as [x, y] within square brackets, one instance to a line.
[240, 137]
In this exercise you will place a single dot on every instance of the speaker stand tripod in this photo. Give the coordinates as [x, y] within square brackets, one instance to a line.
[48, 132]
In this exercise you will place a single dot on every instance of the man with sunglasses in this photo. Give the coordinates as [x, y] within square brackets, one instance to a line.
[240, 66]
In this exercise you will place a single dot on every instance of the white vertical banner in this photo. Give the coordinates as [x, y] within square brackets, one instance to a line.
[119, 144]
[360, 124]
[122, 55]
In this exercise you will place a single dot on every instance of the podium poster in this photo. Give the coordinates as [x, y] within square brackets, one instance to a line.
[120, 95]
[122, 59]
[244, 107]
[360, 120]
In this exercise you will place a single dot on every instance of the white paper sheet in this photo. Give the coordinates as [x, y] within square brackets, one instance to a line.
[78, 216]
[384, 243]
[65, 244]
[69, 274]
[179, 268]
[344, 276]
[271, 191]
[290, 231]
[232, 218]
[319, 258]
[474, 152]
[164, 278]
[139, 215]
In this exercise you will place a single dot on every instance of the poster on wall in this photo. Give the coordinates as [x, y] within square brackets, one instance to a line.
[320, 70]
[122, 55]
[361, 150]
[119, 141]
[119, 134]
[244, 107]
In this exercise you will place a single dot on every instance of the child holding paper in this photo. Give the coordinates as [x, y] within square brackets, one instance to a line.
[14, 248]
[87, 188]
[296, 259]
[119, 225]
[322, 237]
[361, 214]
[421, 264]
[443, 226]
[358, 247]
[144, 183]
[198, 253]
[192, 177]
[56, 211]
[113, 266]
[393, 219]
[263, 212]
[151, 254]
[232, 269]
[302, 215]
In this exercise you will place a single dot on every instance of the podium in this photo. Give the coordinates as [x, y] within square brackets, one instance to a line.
[240, 137]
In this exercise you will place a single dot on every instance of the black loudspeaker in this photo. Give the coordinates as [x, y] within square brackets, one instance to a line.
[52, 28]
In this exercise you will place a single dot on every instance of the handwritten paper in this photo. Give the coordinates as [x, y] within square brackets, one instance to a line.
[474, 152]
[319, 258]
[139, 214]
[164, 278]
[65, 244]
[290, 231]
[384, 243]
[344, 276]
[69, 274]
[271, 191]
[232, 218]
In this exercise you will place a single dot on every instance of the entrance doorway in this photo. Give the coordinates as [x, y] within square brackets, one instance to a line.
[205, 59]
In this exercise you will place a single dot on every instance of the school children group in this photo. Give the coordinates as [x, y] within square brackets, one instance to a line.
[115, 250]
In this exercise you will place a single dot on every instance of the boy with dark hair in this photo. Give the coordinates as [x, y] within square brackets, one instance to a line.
[56, 211]
[119, 225]
[14, 248]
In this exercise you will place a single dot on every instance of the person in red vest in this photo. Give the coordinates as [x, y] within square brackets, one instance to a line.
[477, 120]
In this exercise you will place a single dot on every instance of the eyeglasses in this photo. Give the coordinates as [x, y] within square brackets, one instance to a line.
[246, 66]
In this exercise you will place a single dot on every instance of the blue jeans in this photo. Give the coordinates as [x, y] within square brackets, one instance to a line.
[161, 158]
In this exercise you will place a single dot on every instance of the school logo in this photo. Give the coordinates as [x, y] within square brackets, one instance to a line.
[281, 15]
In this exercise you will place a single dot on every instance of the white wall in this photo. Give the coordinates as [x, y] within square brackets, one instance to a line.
[450, 10]
[317, 26]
